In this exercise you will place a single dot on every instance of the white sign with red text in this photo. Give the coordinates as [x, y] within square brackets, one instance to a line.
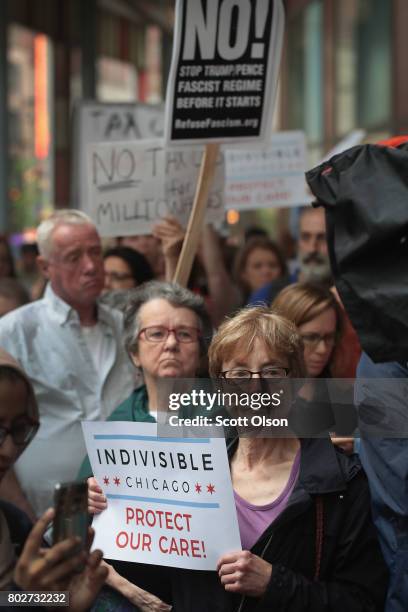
[170, 500]
[267, 177]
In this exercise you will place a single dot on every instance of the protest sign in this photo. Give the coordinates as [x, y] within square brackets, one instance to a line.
[224, 70]
[132, 185]
[267, 177]
[108, 122]
[170, 500]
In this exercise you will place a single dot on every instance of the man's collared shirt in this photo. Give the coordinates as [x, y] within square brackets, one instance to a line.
[46, 338]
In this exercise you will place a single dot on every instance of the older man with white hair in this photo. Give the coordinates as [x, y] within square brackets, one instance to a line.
[71, 348]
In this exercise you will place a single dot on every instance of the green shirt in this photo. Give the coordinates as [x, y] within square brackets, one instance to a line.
[134, 408]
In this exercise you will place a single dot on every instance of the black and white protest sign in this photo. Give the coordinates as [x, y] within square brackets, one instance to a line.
[132, 185]
[224, 70]
[109, 122]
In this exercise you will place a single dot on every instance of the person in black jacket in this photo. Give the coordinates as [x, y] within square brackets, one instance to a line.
[309, 544]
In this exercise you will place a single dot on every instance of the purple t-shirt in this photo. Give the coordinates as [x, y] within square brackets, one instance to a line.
[253, 520]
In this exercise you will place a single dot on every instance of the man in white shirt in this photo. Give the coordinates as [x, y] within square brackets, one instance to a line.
[72, 350]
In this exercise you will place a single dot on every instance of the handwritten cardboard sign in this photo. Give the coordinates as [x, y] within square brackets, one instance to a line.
[132, 185]
[108, 122]
[170, 500]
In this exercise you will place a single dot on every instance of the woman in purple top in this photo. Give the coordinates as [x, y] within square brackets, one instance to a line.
[303, 506]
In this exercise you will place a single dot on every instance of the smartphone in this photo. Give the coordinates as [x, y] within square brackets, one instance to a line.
[71, 512]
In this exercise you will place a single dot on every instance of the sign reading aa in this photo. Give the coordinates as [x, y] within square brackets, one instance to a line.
[170, 500]
[267, 177]
[224, 70]
[132, 185]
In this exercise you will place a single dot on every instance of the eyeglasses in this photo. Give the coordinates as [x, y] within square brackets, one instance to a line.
[313, 340]
[265, 373]
[21, 432]
[159, 333]
[118, 276]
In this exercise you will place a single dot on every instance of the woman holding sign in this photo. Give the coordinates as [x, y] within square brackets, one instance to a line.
[303, 507]
[166, 335]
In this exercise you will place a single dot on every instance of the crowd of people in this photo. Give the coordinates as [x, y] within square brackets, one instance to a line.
[87, 334]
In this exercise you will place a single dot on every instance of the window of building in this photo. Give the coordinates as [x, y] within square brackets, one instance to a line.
[129, 65]
[117, 81]
[362, 65]
[31, 112]
[374, 64]
[305, 75]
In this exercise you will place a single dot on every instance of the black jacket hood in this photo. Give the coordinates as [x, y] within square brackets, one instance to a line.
[365, 194]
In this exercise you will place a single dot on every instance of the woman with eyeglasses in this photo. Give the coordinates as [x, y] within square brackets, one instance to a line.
[26, 562]
[309, 544]
[167, 331]
[319, 318]
[125, 269]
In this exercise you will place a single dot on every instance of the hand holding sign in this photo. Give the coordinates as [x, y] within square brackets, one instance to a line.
[245, 573]
[96, 499]
[171, 234]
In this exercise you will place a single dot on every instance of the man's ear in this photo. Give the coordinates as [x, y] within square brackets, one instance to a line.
[43, 265]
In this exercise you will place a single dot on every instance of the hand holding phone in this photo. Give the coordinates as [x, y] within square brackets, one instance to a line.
[71, 513]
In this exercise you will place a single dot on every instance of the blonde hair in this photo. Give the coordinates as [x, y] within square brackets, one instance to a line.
[239, 333]
[302, 302]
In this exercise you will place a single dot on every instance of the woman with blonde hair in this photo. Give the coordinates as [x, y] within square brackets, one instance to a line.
[321, 323]
[303, 507]
[308, 542]
[319, 318]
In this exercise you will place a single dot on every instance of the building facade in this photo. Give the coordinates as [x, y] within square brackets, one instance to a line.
[54, 53]
[344, 68]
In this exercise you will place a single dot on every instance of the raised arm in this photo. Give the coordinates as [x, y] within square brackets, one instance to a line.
[225, 296]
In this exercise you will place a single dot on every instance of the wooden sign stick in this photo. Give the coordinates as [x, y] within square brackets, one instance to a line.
[197, 214]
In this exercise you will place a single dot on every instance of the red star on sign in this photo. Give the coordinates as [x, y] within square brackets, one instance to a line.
[106, 480]
[198, 488]
[210, 488]
[116, 480]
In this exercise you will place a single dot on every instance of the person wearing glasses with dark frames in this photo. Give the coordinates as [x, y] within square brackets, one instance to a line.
[26, 562]
[167, 331]
[309, 544]
[320, 320]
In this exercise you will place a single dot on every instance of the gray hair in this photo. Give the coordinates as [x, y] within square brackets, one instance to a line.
[65, 216]
[177, 296]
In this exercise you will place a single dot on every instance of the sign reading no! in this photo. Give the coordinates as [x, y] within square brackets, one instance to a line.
[224, 70]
